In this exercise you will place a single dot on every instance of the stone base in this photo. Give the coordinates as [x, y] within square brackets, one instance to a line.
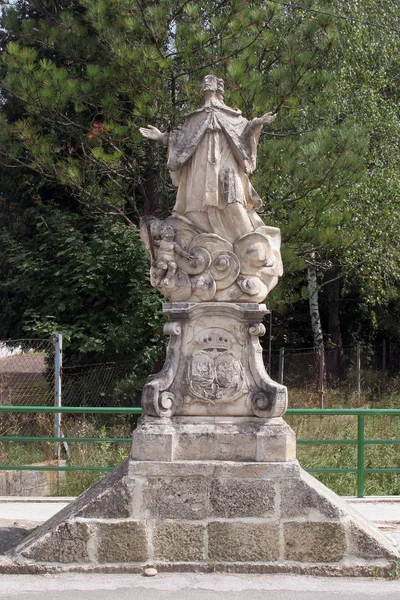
[207, 515]
[33, 483]
[214, 438]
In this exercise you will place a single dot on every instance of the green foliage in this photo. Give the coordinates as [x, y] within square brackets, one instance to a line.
[352, 231]
[100, 454]
[368, 84]
[88, 73]
[395, 572]
[86, 278]
[80, 76]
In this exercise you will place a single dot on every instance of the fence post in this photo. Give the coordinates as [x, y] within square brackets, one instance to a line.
[57, 388]
[358, 368]
[383, 385]
[360, 456]
[281, 364]
[321, 376]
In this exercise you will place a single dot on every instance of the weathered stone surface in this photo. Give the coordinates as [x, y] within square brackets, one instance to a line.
[121, 542]
[316, 542]
[247, 439]
[215, 469]
[112, 503]
[216, 443]
[350, 569]
[33, 483]
[368, 542]
[214, 246]
[67, 543]
[179, 498]
[235, 498]
[179, 542]
[276, 444]
[88, 498]
[213, 367]
[300, 498]
[177, 501]
[243, 541]
[150, 447]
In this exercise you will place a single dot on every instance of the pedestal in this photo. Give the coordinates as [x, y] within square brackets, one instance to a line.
[212, 482]
[208, 494]
[247, 439]
[214, 364]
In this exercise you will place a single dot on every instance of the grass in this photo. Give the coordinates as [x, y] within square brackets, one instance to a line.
[345, 456]
[94, 454]
[26, 424]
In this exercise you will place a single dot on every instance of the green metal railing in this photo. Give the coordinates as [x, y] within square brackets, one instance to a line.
[64, 410]
[360, 470]
[360, 442]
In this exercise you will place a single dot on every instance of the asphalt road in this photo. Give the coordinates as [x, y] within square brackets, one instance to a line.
[170, 586]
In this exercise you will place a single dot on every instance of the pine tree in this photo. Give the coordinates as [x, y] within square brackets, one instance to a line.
[80, 76]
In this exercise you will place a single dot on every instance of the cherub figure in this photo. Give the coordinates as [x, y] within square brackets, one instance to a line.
[164, 267]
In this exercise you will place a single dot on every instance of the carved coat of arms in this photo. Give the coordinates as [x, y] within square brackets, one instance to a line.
[215, 373]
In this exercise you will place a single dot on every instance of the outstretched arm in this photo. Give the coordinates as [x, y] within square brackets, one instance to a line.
[152, 133]
[264, 120]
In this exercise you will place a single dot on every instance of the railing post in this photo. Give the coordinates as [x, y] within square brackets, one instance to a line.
[57, 388]
[281, 364]
[360, 456]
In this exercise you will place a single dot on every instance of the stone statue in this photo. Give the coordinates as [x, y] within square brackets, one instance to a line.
[226, 252]
[216, 261]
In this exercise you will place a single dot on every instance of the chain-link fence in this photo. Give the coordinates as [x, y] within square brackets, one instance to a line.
[372, 372]
[26, 379]
[95, 384]
[31, 373]
[26, 372]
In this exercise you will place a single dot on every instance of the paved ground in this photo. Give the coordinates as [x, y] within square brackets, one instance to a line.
[71, 586]
[18, 516]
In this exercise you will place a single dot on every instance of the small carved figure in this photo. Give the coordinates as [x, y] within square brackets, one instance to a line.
[164, 267]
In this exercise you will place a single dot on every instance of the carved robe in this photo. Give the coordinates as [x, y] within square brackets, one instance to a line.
[210, 158]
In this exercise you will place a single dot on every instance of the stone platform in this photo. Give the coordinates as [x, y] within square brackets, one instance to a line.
[246, 515]
[214, 438]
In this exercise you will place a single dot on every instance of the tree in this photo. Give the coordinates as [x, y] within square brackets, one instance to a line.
[87, 73]
[367, 262]
[354, 260]
[374, 257]
[80, 76]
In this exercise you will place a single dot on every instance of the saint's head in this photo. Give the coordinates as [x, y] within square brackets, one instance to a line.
[214, 85]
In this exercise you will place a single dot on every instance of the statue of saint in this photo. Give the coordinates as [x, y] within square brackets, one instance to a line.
[214, 246]
[210, 158]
